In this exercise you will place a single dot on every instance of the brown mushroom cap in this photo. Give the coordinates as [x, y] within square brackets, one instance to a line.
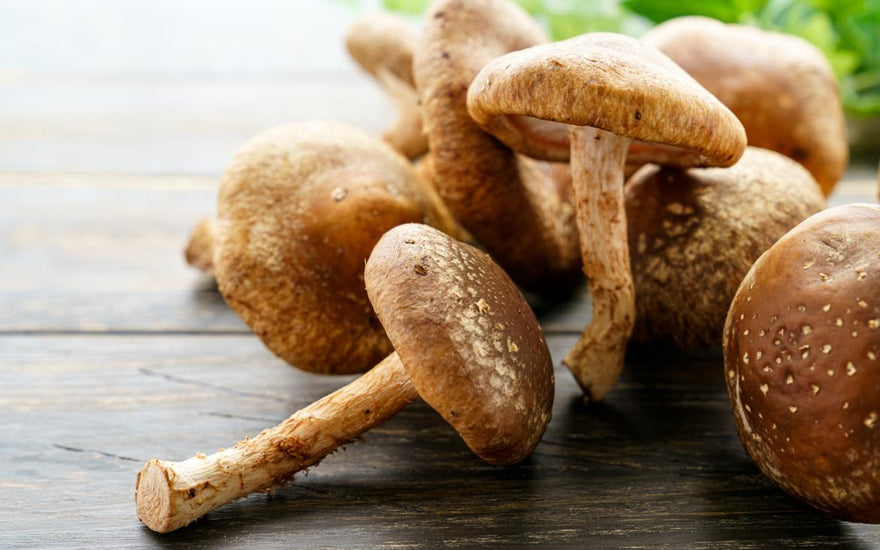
[605, 81]
[781, 87]
[300, 208]
[383, 45]
[801, 349]
[513, 206]
[467, 338]
[693, 235]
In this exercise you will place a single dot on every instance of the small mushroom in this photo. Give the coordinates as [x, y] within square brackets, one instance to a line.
[466, 342]
[515, 207]
[606, 89]
[780, 86]
[299, 209]
[802, 362]
[693, 235]
[383, 45]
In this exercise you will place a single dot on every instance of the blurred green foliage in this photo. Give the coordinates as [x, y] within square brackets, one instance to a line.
[847, 31]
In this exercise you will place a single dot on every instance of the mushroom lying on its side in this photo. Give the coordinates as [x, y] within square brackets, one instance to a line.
[513, 206]
[802, 362]
[693, 235]
[780, 86]
[299, 210]
[606, 90]
[465, 341]
[383, 46]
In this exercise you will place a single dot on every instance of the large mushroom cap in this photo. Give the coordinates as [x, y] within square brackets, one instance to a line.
[802, 362]
[781, 87]
[693, 235]
[606, 81]
[467, 338]
[300, 208]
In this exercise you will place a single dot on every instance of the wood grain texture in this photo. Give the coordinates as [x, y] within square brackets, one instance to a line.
[657, 465]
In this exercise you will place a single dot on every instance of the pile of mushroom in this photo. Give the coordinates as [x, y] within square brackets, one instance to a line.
[465, 341]
[495, 113]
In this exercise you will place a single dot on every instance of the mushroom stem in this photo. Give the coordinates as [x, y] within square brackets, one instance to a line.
[598, 159]
[170, 495]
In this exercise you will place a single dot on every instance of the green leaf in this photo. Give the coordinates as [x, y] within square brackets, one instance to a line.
[412, 7]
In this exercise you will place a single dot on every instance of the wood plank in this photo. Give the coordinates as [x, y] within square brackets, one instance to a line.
[98, 252]
[148, 86]
[657, 465]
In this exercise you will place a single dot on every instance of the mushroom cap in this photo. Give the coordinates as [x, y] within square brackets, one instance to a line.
[512, 205]
[781, 87]
[607, 81]
[801, 349]
[466, 337]
[300, 208]
[693, 235]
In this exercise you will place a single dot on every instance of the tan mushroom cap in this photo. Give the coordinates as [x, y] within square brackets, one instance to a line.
[605, 81]
[802, 362]
[383, 45]
[694, 234]
[781, 87]
[300, 208]
[466, 337]
[514, 206]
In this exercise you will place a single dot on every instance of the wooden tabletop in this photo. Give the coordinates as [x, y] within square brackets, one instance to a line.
[116, 120]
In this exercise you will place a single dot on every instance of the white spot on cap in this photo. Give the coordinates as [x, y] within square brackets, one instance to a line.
[765, 388]
[826, 349]
[746, 358]
[871, 420]
[789, 379]
[338, 193]
[793, 409]
[850, 369]
[826, 308]
[814, 388]
[873, 324]
[482, 306]
[806, 329]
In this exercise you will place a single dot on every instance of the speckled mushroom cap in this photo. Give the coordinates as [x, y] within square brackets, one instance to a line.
[467, 338]
[300, 208]
[383, 45]
[512, 205]
[693, 235]
[801, 349]
[606, 81]
[781, 88]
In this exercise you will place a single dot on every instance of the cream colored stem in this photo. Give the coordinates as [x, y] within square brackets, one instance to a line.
[200, 248]
[170, 495]
[598, 159]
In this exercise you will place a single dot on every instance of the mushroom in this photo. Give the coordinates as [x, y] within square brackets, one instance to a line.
[515, 207]
[199, 251]
[299, 209]
[383, 45]
[607, 89]
[801, 349]
[781, 87]
[465, 341]
[693, 235]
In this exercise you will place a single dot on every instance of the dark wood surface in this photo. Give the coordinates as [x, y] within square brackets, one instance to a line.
[112, 351]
